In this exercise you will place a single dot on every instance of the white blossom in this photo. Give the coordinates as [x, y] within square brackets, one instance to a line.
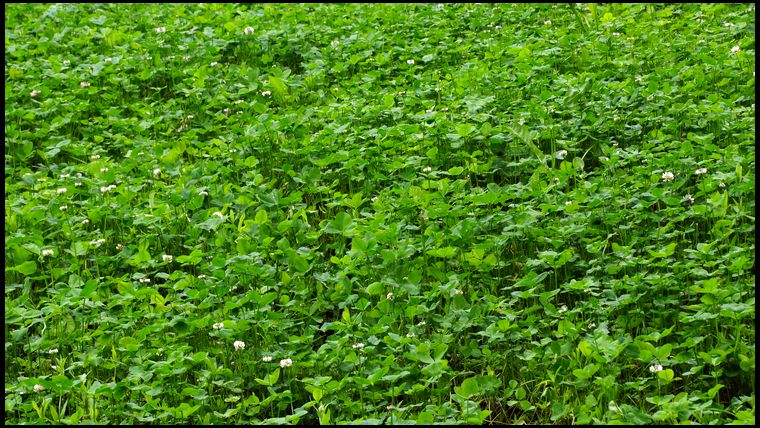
[66, 62]
[38, 388]
[287, 362]
[63, 207]
[728, 24]
[213, 63]
[266, 93]
[427, 169]
[238, 345]
[389, 296]
[47, 253]
[410, 61]
[561, 154]
[248, 31]
[547, 22]
[53, 351]
[119, 247]
[157, 172]
[689, 198]
[144, 280]
[359, 345]
[95, 157]
[667, 176]
[61, 190]
[735, 49]
[160, 30]
[722, 185]
[35, 93]
[203, 193]
[700, 171]
[218, 214]
[84, 84]
[266, 358]
[654, 368]
[167, 258]
[104, 169]
[218, 326]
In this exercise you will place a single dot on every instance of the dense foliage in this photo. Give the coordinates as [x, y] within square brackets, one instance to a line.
[366, 213]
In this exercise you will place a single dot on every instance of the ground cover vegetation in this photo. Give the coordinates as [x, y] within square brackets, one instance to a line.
[408, 213]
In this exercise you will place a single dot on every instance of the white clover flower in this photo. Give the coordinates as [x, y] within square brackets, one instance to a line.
[35, 93]
[421, 323]
[238, 345]
[104, 169]
[47, 253]
[186, 58]
[700, 171]
[66, 62]
[266, 93]
[233, 150]
[201, 276]
[401, 92]
[119, 247]
[157, 172]
[735, 49]
[389, 296]
[722, 185]
[85, 221]
[218, 214]
[654, 368]
[561, 154]
[140, 153]
[226, 111]
[95, 157]
[63, 207]
[266, 358]
[38, 388]
[728, 24]
[190, 116]
[457, 291]
[167, 258]
[77, 184]
[54, 367]
[144, 280]
[638, 79]
[429, 110]
[562, 308]
[334, 43]
[287, 362]
[160, 30]
[41, 179]
[427, 169]
[248, 31]
[568, 203]
[358, 346]
[218, 326]
[203, 193]
[592, 325]
[437, 89]
[667, 176]
[238, 101]
[61, 191]
[410, 335]
[547, 22]
[53, 351]
[97, 242]
[65, 175]
[109, 59]
[689, 198]
[410, 61]
[84, 84]
[213, 63]
[445, 109]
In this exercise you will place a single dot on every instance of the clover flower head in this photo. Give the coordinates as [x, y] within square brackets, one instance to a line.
[203, 193]
[218, 214]
[47, 253]
[157, 172]
[97, 242]
[561, 154]
[427, 169]
[287, 362]
[213, 63]
[389, 296]
[722, 185]
[238, 345]
[218, 326]
[53, 351]
[35, 93]
[95, 157]
[38, 388]
[667, 176]
[63, 207]
[421, 323]
[78, 184]
[654, 368]
[266, 93]
[410, 61]
[334, 43]
[689, 198]
[568, 203]
[359, 345]
[700, 171]
[160, 30]
[104, 169]
[119, 247]
[410, 335]
[547, 22]
[266, 358]
[167, 258]
[248, 31]
[735, 49]
[65, 175]
[84, 84]
[66, 62]
[144, 280]
[61, 190]
[109, 59]
[728, 24]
